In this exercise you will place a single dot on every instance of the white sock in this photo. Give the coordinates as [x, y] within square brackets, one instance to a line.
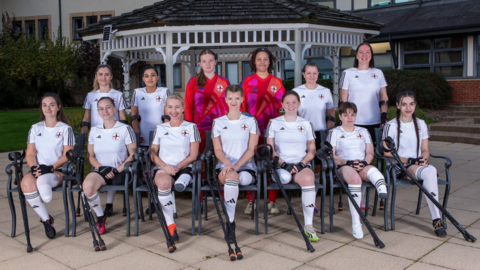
[111, 196]
[36, 203]
[166, 200]
[308, 203]
[182, 182]
[355, 190]
[96, 204]
[429, 176]
[231, 196]
[245, 178]
[377, 179]
[45, 183]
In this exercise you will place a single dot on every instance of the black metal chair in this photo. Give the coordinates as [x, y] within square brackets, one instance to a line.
[405, 182]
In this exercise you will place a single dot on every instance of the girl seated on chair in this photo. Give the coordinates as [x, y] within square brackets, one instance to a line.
[234, 138]
[48, 142]
[174, 149]
[110, 145]
[410, 135]
[353, 152]
[293, 141]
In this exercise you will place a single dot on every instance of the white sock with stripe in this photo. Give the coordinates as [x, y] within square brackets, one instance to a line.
[308, 203]
[36, 203]
[356, 191]
[166, 200]
[231, 191]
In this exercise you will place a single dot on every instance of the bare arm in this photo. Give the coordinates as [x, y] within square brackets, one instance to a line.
[330, 112]
[218, 149]
[310, 152]
[122, 115]
[91, 157]
[369, 152]
[63, 159]
[86, 118]
[343, 95]
[383, 96]
[132, 149]
[135, 124]
[31, 155]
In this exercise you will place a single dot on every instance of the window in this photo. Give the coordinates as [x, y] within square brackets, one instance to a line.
[17, 26]
[92, 19]
[30, 29]
[105, 17]
[246, 70]
[231, 70]
[177, 75]
[325, 68]
[443, 55]
[77, 23]
[478, 56]
[379, 3]
[328, 3]
[43, 29]
[218, 69]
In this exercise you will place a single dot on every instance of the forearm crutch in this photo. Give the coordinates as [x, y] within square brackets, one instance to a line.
[77, 159]
[208, 157]
[390, 147]
[327, 150]
[264, 153]
[17, 159]
[148, 180]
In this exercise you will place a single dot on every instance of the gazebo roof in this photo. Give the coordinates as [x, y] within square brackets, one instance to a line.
[208, 12]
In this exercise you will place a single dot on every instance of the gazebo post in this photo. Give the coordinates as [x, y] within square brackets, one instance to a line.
[126, 79]
[169, 61]
[336, 70]
[298, 57]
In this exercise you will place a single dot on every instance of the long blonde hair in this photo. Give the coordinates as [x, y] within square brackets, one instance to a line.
[96, 85]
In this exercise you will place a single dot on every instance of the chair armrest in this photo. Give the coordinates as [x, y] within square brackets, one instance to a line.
[448, 161]
[390, 162]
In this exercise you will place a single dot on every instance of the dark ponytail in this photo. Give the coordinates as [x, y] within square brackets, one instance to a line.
[200, 77]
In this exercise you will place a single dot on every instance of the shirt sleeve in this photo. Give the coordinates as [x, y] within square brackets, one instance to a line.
[383, 82]
[270, 132]
[332, 138]
[310, 132]
[86, 104]
[344, 81]
[68, 136]
[91, 135]
[134, 98]
[195, 134]
[254, 127]
[389, 130]
[329, 103]
[130, 136]
[31, 135]
[122, 103]
[215, 129]
[189, 99]
[156, 136]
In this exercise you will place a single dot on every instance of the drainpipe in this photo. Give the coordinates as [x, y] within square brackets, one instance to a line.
[60, 17]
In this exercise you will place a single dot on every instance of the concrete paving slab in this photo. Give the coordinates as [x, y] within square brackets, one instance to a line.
[463, 217]
[414, 225]
[425, 266]
[460, 240]
[11, 248]
[33, 261]
[454, 256]
[476, 224]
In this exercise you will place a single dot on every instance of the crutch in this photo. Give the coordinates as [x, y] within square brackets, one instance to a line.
[77, 159]
[389, 146]
[208, 157]
[264, 153]
[146, 177]
[326, 150]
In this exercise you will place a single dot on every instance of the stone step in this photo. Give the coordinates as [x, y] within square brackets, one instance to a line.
[467, 113]
[467, 108]
[464, 126]
[455, 137]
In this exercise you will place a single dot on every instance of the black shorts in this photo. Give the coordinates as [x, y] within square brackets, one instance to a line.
[119, 179]
[371, 130]
[187, 170]
[252, 172]
[399, 173]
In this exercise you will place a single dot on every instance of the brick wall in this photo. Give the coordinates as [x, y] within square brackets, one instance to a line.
[465, 92]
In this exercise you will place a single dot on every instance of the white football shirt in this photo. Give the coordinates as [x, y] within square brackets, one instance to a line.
[314, 104]
[91, 104]
[349, 145]
[110, 145]
[175, 141]
[290, 138]
[151, 108]
[49, 141]
[364, 90]
[408, 139]
[235, 136]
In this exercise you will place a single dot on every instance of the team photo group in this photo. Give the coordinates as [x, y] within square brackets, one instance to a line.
[239, 126]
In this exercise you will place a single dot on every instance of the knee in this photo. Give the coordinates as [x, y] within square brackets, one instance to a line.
[232, 176]
[29, 184]
[88, 186]
[163, 181]
[355, 180]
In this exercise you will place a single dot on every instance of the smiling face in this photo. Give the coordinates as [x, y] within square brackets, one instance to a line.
[174, 108]
[407, 106]
[50, 107]
[290, 104]
[103, 76]
[150, 77]
[106, 109]
[311, 74]
[364, 55]
[234, 100]
[262, 62]
[207, 63]
[348, 118]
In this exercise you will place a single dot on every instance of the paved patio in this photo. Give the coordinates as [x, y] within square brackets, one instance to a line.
[412, 245]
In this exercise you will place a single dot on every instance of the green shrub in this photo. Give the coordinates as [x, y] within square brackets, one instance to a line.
[290, 84]
[432, 90]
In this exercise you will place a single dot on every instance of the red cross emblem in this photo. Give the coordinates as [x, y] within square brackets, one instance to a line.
[374, 76]
[274, 88]
[116, 136]
[301, 129]
[244, 127]
[220, 88]
[185, 133]
[114, 101]
[158, 98]
[321, 96]
[360, 135]
[58, 135]
[142, 139]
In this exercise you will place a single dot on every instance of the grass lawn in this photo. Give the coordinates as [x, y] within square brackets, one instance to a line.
[14, 126]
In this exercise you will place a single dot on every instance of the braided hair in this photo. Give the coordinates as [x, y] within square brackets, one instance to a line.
[399, 98]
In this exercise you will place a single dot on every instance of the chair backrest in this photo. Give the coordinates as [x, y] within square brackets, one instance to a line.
[378, 139]
[208, 141]
[79, 142]
[137, 136]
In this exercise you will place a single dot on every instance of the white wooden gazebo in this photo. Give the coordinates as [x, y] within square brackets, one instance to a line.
[170, 30]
